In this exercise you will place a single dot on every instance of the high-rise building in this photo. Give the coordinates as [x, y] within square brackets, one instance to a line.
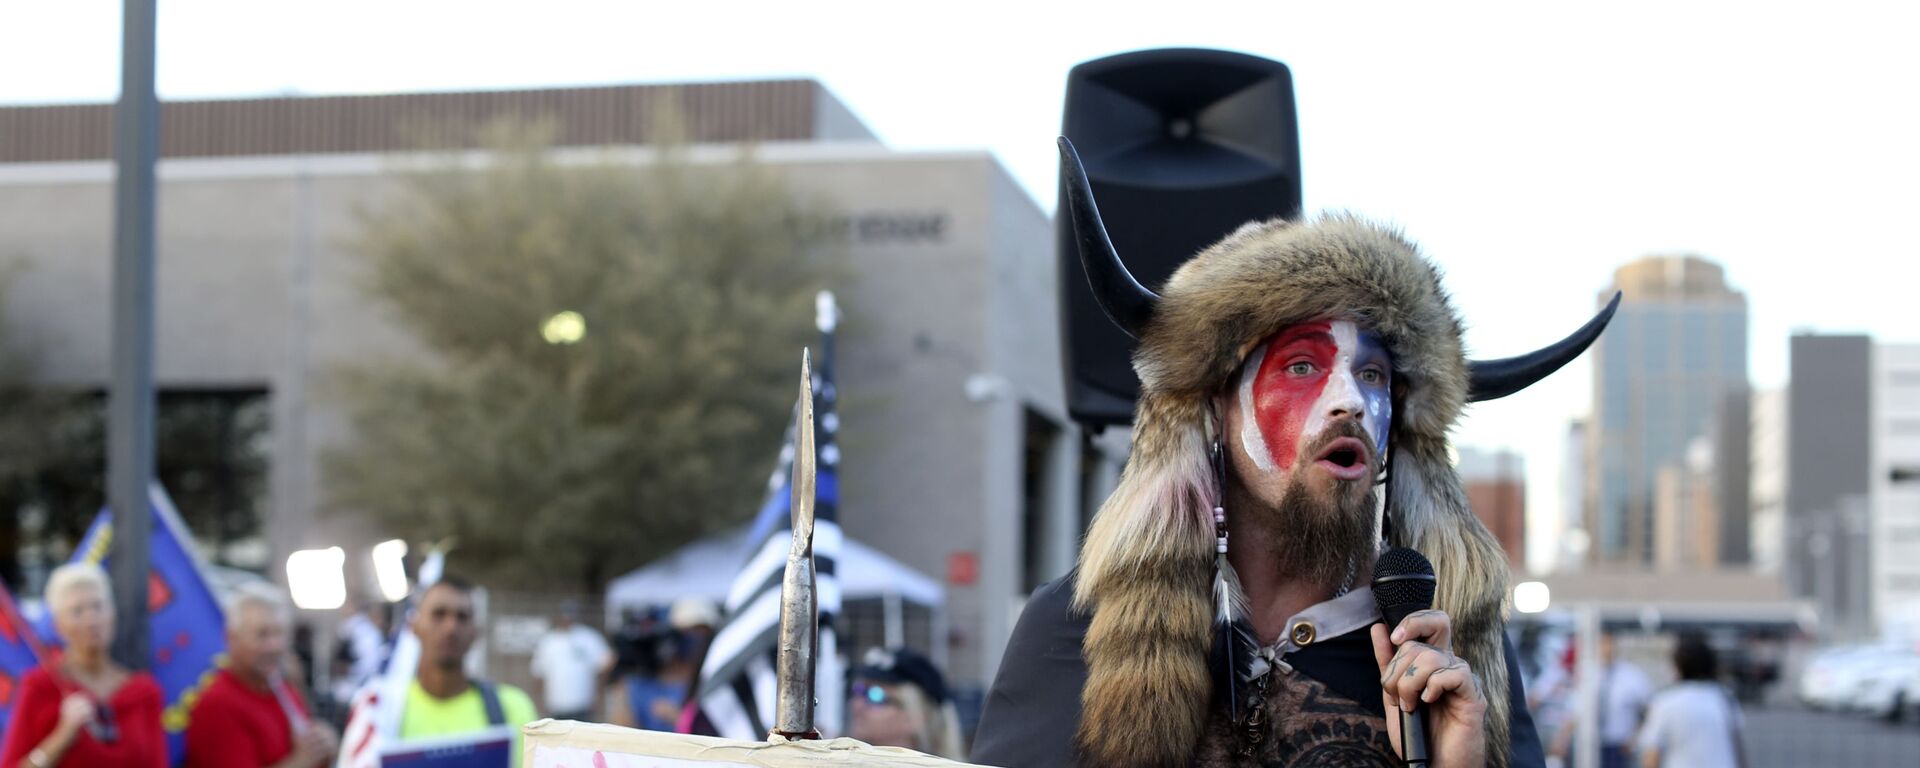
[1731, 480]
[1663, 374]
[1852, 470]
[1829, 458]
[1496, 487]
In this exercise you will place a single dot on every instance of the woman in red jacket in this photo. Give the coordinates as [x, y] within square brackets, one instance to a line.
[80, 708]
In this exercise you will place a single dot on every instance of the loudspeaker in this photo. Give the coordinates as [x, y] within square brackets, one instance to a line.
[1181, 147]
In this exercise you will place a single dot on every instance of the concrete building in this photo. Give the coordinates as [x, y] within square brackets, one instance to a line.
[958, 458]
[1894, 484]
[1496, 486]
[1829, 455]
[1662, 373]
[1698, 598]
[1730, 480]
[1767, 480]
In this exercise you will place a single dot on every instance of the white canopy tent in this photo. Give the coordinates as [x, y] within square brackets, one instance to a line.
[706, 569]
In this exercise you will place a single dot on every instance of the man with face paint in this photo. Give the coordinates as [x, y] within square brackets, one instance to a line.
[1308, 425]
[1298, 380]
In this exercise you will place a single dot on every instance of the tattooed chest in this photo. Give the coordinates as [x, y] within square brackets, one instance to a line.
[1303, 723]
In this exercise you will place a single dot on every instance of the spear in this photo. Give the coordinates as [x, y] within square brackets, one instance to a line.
[799, 609]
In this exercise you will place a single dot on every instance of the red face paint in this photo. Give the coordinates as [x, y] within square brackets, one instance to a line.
[1283, 398]
[1304, 377]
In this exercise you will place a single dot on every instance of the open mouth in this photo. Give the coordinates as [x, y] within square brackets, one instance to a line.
[1345, 458]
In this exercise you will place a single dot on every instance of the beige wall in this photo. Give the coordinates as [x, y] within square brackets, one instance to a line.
[954, 278]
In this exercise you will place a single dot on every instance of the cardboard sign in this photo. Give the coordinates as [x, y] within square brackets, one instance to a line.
[567, 744]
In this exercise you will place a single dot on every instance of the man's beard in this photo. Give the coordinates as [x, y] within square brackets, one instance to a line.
[1319, 536]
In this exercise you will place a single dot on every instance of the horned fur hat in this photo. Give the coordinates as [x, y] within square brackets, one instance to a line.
[1149, 565]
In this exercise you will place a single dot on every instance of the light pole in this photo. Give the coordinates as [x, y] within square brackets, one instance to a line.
[136, 139]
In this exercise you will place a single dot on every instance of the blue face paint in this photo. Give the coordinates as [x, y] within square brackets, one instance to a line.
[1378, 395]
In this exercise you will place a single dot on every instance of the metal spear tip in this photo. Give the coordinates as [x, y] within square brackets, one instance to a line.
[803, 458]
[799, 606]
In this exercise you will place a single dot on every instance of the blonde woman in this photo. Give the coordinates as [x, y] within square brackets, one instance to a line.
[79, 708]
[900, 700]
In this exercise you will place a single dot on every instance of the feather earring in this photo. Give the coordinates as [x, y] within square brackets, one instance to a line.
[1234, 644]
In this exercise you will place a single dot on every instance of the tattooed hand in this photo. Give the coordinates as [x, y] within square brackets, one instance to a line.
[1418, 669]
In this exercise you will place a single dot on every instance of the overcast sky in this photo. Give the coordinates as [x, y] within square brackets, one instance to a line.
[1530, 147]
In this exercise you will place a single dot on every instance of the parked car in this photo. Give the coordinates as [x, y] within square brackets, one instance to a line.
[1834, 677]
[1884, 683]
[1909, 705]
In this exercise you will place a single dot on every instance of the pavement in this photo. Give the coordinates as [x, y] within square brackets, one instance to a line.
[1783, 737]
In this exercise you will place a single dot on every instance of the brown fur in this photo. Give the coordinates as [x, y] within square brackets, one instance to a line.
[1148, 558]
[1145, 568]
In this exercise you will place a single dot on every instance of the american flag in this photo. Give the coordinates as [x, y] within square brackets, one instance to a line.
[737, 683]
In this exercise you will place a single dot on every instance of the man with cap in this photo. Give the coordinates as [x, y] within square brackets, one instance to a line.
[1298, 380]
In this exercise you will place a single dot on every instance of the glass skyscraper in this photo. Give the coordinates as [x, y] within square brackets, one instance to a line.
[1667, 364]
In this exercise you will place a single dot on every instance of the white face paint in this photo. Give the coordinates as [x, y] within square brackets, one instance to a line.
[1251, 441]
[1344, 390]
[1304, 378]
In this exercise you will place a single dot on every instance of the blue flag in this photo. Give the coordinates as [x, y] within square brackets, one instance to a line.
[188, 629]
[19, 654]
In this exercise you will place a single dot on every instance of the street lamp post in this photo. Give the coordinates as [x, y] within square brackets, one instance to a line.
[136, 139]
[1589, 669]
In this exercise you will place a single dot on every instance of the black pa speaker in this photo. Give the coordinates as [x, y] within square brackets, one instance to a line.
[1181, 147]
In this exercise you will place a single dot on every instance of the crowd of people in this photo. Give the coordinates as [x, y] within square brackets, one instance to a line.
[657, 659]
[257, 709]
[81, 708]
[1695, 721]
[897, 696]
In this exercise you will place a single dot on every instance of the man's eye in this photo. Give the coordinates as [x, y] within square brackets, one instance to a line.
[1300, 369]
[1371, 376]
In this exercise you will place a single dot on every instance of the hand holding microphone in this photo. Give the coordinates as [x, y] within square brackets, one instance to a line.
[1433, 694]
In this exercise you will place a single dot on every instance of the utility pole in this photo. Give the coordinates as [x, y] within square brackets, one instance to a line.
[130, 402]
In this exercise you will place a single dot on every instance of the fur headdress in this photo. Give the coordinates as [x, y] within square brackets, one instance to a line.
[1148, 567]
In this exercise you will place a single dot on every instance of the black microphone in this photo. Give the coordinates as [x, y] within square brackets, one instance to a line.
[1403, 583]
